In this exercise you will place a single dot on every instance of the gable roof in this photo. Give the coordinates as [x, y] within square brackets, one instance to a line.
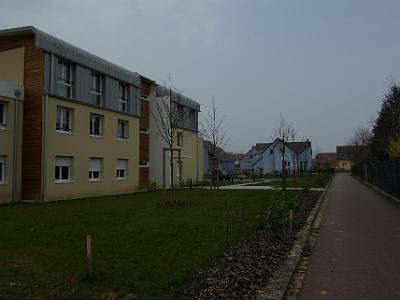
[345, 152]
[67, 51]
[297, 147]
[325, 158]
[260, 147]
[222, 155]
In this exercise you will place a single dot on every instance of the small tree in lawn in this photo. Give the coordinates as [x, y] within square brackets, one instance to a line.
[295, 156]
[213, 130]
[282, 132]
[167, 118]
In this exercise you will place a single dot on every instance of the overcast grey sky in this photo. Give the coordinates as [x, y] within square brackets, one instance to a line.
[322, 64]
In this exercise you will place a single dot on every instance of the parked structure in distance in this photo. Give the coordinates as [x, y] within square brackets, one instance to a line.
[226, 162]
[345, 156]
[325, 160]
[267, 157]
[85, 132]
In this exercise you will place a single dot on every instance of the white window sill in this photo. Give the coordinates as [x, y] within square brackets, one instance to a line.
[122, 140]
[3, 183]
[96, 136]
[63, 132]
[95, 180]
[63, 181]
[122, 178]
[3, 127]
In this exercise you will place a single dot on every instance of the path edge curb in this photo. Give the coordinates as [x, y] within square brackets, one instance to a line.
[378, 190]
[279, 283]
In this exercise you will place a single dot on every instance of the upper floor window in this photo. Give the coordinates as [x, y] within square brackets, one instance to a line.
[64, 119]
[96, 125]
[97, 89]
[3, 115]
[2, 169]
[63, 169]
[123, 97]
[192, 115]
[180, 110]
[122, 130]
[64, 79]
[179, 141]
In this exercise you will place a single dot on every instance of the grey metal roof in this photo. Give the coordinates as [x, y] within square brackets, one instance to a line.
[260, 147]
[162, 91]
[346, 152]
[67, 51]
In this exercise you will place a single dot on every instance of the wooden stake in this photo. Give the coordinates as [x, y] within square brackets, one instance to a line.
[89, 253]
[227, 233]
[290, 221]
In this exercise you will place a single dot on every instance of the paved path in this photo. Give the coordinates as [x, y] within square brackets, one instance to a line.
[357, 254]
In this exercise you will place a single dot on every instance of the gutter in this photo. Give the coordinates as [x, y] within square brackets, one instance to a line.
[17, 94]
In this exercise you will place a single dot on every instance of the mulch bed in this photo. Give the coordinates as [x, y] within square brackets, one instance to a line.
[246, 267]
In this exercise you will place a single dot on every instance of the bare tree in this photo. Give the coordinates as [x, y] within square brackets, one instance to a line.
[213, 130]
[293, 133]
[168, 116]
[282, 132]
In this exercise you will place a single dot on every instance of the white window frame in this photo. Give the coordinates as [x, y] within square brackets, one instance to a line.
[92, 127]
[3, 169]
[63, 80]
[63, 162]
[94, 91]
[95, 167]
[123, 97]
[3, 125]
[70, 119]
[120, 168]
[126, 131]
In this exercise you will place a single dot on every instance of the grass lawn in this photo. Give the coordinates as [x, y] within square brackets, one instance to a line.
[310, 181]
[138, 247]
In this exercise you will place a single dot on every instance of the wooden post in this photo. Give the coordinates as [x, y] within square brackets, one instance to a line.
[89, 253]
[290, 221]
[180, 168]
[227, 233]
[163, 168]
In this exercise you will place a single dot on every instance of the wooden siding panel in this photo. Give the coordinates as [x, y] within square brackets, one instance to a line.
[32, 120]
[144, 147]
[144, 114]
[144, 178]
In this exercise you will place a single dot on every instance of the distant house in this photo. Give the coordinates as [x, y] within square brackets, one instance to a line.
[237, 157]
[253, 155]
[325, 160]
[344, 156]
[297, 154]
[225, 160]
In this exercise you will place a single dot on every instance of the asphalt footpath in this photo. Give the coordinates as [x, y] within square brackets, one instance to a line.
[357, 253]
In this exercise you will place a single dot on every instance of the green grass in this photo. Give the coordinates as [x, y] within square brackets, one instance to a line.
[138, 246]
[309, 181]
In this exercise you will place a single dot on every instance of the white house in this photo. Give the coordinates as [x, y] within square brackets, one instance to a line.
[297, 154]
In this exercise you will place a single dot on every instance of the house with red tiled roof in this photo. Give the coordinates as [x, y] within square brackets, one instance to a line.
[325, 160]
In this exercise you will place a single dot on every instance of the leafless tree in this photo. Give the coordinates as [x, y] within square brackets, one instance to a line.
[167, 116]
[213, 130]
[293, 134]
[282, 132]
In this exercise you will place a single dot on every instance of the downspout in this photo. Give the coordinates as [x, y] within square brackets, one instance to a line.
[17, 94]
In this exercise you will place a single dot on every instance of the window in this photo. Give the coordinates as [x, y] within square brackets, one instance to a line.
[122, 130]
[97, 89]
[3, 115]
[64, 119]
[95, 167]
[192, 115]
[64, 79]
[63, 168]
[96, 125]
[2, 169]
[123, 97]
[179, 139]
[122, 166]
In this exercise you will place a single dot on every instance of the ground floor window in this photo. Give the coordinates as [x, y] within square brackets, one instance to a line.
[122, 166]
[95, 167]
[63, 168]
[2, 169]
[3, 115]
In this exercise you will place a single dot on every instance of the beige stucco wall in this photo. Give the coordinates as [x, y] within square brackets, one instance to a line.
[82, 146]
[7, 150]
[191, 156]
[344, 165]
[12, 65]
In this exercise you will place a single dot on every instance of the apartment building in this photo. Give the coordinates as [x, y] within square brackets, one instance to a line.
[11, 107]
[86, 126]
